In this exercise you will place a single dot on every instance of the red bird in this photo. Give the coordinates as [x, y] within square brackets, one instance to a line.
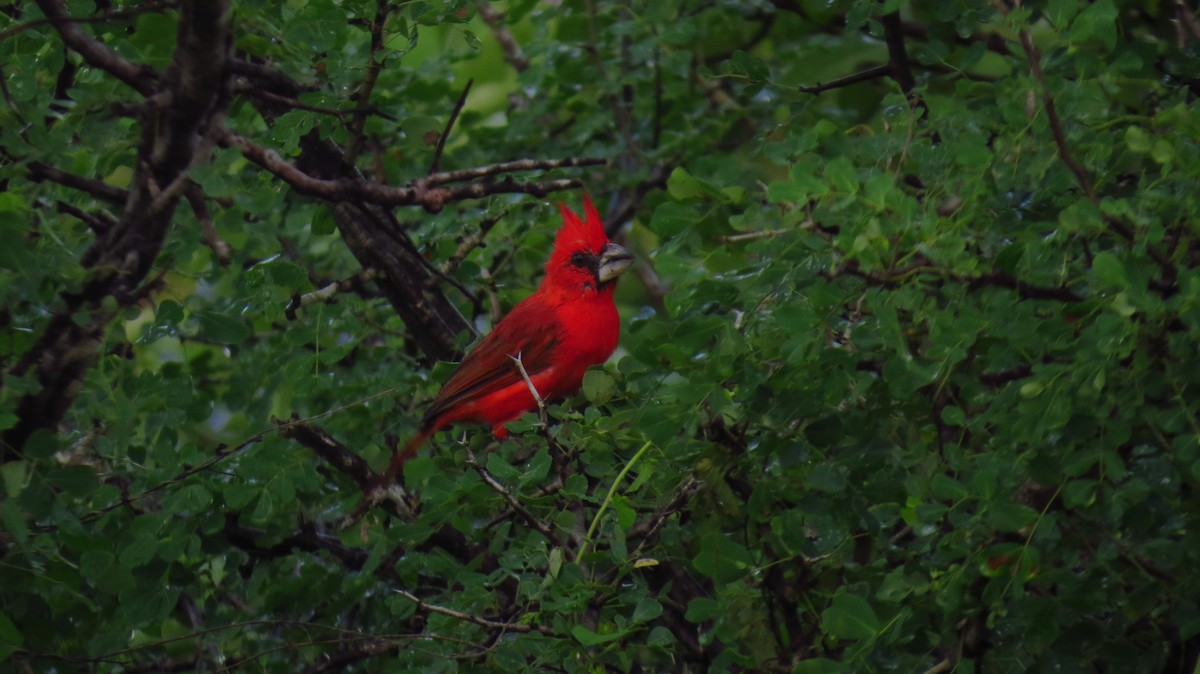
[568, 325]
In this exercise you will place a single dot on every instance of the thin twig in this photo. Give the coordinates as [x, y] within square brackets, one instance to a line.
[541, 527]
[435, 165]
[363, 92]
[425, 192]
[329, 292]
[541, 405]
[1056, 129]
[208, 229]
[255, 92]
[515, 166]
[470, 243]
[519, 627]
[99, 223]
[868, 74]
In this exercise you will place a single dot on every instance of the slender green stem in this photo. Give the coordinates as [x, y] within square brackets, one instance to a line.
[608, 499]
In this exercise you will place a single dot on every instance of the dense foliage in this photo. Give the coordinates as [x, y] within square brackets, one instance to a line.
[908, 376]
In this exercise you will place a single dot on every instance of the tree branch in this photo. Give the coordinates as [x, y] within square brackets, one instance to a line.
[518, 627]
[423, 192]
[113, 195]
[141, 78]
[102, 17]
[441, 144]
[363, 92]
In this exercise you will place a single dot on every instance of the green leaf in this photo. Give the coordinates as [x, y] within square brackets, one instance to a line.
[76, 480]
[589, 638]
[672, 218]
[842, 175]
[598, 386]
[14, 475]
[10, 637]
[223, 329]
[1109, 270]
[1010, 516]
[682, 186]
[42, 444]
[1096, 24]
[702, 609]
[849, 617]
[721, 558]
[647, 609]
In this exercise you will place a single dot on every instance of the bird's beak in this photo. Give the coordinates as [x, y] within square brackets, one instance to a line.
[614, 260]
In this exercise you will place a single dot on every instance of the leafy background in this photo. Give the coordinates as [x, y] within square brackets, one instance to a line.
[907, 378]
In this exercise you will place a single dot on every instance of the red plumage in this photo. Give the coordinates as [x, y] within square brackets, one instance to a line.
[567, 325]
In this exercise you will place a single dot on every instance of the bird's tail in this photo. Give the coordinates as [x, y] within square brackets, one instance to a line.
[399, 458]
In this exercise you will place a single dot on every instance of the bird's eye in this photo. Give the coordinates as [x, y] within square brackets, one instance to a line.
[580, 259]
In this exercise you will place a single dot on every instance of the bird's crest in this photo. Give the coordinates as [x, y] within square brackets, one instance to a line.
[577, 235]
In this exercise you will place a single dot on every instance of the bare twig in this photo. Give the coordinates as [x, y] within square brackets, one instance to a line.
[868, 74]
[533, 521]
[435, 165]
[363, 92]
[329, 292]
[255, 92]
[469, 243]
[1060, 138]
[649, 528]
[515, 166]
[541, 405]
[423, 192]
[519, 627]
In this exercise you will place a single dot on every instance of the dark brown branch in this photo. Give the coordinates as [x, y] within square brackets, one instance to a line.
[102, 17]
[120, 260]
[113, 195]
[97, 223]
[423, 192]
[285, 101]
[379, 242]
[363, 92]
[893, 34]
[208, 230]
[868, 74]
[435, 165]
[325, 446]
[1060, 138]
[141, 78]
